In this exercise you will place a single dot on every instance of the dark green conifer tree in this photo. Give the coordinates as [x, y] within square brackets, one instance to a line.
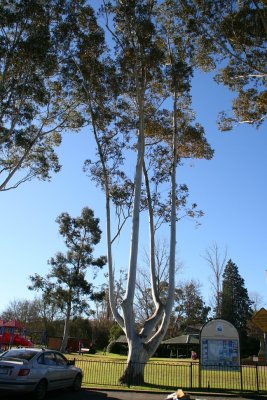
[236, 304]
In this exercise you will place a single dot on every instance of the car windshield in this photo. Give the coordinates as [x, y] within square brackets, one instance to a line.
[18, 354]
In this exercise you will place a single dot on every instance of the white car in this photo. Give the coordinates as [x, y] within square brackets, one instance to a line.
[37, 371]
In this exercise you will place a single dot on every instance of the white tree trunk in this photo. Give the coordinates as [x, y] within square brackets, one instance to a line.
[136, 362]
[144, 344]
[65, 338]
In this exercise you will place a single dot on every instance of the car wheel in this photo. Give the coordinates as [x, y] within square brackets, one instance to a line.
[77, 383]
[40, 390]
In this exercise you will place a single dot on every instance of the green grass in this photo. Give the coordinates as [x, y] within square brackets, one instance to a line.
[169, 374]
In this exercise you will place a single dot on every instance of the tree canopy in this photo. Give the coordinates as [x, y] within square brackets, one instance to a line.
[35, 107]
[189, 306]
[138, 104]
[231, 36]
[235, 303]
[134, 94]
[66, 284]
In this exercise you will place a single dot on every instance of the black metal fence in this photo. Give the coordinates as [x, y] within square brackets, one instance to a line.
[171, 375]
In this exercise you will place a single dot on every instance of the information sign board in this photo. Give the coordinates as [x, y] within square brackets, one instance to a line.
[217, 352]
[219, 341]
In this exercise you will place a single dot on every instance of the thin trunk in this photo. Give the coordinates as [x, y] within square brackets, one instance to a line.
[154, 342]
[150, 324]
[64, 343]
[112, 303]
[127, 303]
[154, 286]
[173, 212]
[141, 348]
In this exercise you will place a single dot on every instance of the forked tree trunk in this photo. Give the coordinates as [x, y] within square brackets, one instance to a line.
[136, 362]
[141, 345]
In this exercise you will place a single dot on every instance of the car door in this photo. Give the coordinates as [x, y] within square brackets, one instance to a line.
[65, 372]
[52, 374]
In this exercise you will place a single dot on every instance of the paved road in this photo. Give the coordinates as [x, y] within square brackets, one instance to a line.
[90, 394]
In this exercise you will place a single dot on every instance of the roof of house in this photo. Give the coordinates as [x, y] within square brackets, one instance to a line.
[182, 339]
[122, 339]
[196, 328]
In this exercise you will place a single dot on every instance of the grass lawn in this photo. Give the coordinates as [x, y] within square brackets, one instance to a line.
[169, 374]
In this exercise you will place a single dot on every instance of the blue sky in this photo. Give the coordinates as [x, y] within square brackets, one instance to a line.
[230, 189]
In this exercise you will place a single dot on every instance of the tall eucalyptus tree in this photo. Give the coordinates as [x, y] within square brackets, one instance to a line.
[136, 99]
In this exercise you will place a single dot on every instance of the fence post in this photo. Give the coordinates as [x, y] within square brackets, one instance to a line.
[257, 378]
[191, 375]
[129, 373]
[241, 377]
[199, 375]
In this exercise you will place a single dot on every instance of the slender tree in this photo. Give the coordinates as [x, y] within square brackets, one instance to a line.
[66, 283]
[217, 263]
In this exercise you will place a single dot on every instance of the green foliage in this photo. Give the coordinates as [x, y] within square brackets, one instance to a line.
[231, 35]
[66, 283]
[141, 62]
[249, 346]
[115, 331]
[236, 305]
[100, 334]
[80, 328]
[190, 308]
[35, 106]
[117, 348]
